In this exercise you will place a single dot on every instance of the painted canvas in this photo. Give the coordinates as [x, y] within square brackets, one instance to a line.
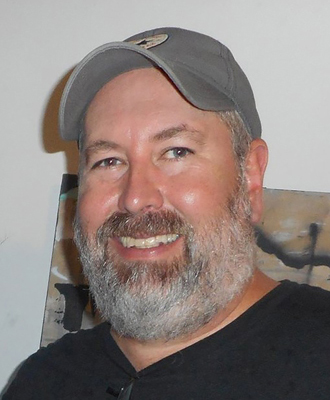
[293, 241]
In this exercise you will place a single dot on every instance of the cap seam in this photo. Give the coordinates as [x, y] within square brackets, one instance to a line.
[198, 73]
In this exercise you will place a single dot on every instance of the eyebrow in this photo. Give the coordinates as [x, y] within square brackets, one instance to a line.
[166, 134]
[99, 145]
[180, 130]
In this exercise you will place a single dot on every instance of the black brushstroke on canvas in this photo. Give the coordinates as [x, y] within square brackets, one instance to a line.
[307, 256]
[69, 181]
[76, 299]
[313, 234]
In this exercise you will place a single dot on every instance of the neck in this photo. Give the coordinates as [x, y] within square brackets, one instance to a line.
[142, 354]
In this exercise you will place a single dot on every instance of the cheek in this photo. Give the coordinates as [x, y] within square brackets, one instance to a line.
[94, 206]
[196, 198]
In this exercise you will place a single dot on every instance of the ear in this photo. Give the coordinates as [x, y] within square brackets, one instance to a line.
[255, 166]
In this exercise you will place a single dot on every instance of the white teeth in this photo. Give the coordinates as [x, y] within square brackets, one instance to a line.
[149, 242]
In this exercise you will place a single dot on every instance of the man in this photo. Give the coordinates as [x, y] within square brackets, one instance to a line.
[170, 185]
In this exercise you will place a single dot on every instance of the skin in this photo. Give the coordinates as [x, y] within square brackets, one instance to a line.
[148, 149]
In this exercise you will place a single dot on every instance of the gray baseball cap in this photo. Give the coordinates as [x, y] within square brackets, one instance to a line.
[201, 68]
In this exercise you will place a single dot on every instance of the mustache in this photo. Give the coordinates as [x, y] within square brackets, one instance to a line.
[142, 225]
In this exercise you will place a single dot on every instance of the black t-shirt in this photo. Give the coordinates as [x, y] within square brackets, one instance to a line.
[277, 349]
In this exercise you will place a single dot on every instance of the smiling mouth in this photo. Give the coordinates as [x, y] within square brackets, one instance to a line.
[147, 243]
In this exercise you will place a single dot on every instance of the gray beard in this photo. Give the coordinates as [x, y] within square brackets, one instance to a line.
[165, 300]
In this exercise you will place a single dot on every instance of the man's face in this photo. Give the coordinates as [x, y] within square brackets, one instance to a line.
[159, 184]
[147, 149]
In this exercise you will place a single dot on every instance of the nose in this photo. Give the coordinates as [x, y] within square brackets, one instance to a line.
[141, 191]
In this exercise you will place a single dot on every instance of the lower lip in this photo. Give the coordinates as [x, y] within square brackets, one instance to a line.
[163, 251]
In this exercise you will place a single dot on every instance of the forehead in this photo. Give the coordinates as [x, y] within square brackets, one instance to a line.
[143, 100]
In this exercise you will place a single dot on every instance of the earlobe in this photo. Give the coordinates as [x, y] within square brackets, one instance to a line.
[256, 163]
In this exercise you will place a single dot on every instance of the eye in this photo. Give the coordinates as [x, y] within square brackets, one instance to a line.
[107, 163]
[178, 152]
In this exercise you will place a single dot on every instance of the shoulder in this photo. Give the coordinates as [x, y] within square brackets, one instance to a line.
[295, 311]
[305, 299]
[71, 358]
[74, 346]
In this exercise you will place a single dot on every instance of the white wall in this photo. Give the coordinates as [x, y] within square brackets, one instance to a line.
[283, 46]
